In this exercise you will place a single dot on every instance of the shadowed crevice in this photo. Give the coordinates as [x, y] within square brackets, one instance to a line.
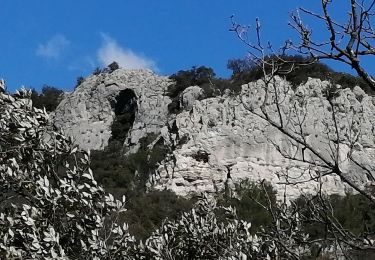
[125, 108]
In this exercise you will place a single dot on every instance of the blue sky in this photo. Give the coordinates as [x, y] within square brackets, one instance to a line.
[54, 42]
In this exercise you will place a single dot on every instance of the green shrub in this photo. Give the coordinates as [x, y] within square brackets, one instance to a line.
[112, 67]
[97, 71]
[183, 79]
[146, 212]
[353, 212]
[196, 76]
[128, 175]
[203, 77]
[248, 204]
[296, 70]
[80, 80]
[49, 98]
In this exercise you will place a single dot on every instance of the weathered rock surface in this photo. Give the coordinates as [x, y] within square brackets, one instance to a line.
[87, 113]
[222, 141]
[190, 95]
[229, 143]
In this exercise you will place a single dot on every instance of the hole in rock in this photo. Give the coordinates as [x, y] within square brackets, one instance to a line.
[125, 107]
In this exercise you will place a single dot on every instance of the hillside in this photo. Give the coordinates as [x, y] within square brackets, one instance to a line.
[214, 143]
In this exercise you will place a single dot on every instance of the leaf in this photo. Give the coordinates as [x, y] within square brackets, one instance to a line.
[53, 253]
[46, 181]
[9, 171]
[88, 176]
[74, 150]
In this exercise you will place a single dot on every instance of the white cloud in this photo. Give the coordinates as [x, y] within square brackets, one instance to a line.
[110, 51]
[53, 47]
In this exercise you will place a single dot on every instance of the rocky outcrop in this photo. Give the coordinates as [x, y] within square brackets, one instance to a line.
[190, 95]
[219, 142]
[87, 113]
[226, 141]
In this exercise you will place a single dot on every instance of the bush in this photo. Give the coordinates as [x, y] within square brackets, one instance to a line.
[49, 98]
[353, 212]
[203, 77]
[248, 204]
[201, 156]
[196, 76]
[199, 234]
[146, 212]
[97, 71]
[80, 80]
[50, 207]
[129, 174]
[244, 72]
[112, 67]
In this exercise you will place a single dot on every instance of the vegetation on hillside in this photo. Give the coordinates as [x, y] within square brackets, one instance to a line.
[58, 209]
[53, 205]
[49, 98]
[296, 69]
[201, 76]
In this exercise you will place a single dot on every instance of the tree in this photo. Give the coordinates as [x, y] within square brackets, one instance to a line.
[48, 99]
[113, 66]
[345, 127]
[97, 71]
[348, 42]
[199, 234]
[80, 80]
[50, 204]
[238, 66]
[196, 76]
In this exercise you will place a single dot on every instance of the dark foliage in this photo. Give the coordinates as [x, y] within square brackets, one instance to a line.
[296, 70]
[128, 175]
[112, 171]
[49, 98]
[146, 212]
[125, 107]
[80, 80]
[248, 207]
[201, 156]
[354, 212]
[196, 76]
[217, 87]
[113, 66]
[109, 69]
[203, 77]
[239, 66]
[97, 71]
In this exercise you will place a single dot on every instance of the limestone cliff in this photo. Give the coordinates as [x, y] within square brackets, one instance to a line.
[218, 142]
[226, 143]
[87, 113]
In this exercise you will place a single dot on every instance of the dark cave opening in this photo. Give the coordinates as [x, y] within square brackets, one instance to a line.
[125, 108]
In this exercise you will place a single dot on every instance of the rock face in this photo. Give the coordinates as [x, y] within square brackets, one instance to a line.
[190, 95]
[218, 142]
[87, 113]
[228, 141]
